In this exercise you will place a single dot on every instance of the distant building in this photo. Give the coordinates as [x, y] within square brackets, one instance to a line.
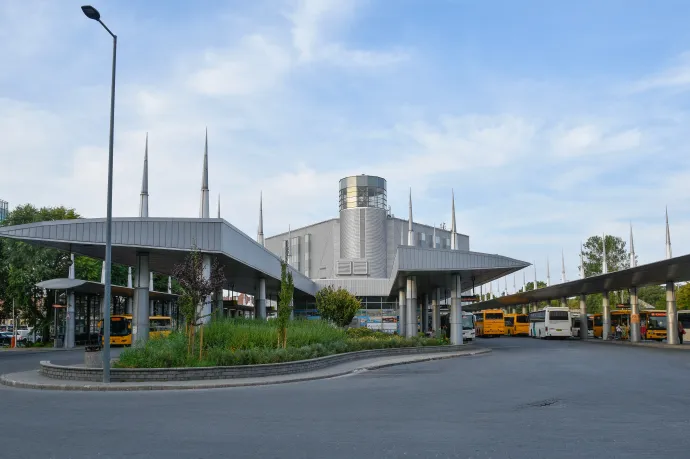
[4, 209]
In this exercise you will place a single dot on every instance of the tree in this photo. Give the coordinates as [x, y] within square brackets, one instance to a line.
[23, 265]
[617, 258]
[683, 296]
[195, 289]
[654, 295]
[287, 289]
[339, 306]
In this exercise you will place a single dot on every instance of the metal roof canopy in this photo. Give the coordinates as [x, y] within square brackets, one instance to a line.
[675, 269]
[433, 268]
[167, 241]
[96, 288]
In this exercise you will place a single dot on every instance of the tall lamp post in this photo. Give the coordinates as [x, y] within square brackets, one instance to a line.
[92, 13]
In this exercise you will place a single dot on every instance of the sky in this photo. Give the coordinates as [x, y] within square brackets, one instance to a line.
[551, 121]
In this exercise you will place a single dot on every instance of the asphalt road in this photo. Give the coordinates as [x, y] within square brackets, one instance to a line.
[529, 399]
[25, 360]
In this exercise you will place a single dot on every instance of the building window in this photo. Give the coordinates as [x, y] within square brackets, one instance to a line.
[422, 240]
[447, 242]
[438, 242]
[293, 254]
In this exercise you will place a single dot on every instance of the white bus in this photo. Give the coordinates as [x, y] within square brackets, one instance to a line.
[468, 332]
[550, 322]
[575, 318]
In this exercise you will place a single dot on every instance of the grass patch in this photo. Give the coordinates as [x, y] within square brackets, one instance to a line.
[246, 342]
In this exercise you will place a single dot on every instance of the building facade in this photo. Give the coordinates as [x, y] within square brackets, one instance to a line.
[4, 210]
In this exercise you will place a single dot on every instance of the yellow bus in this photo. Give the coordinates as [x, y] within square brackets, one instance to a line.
[652, 324]
[489, 322]
[121, 328]
[516, 324]
[655, 322]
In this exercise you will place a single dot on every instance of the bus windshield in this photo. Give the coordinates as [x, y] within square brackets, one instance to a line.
[558, 315]
[656, 323]
[467, 323]
[119, 327]
[493, 316]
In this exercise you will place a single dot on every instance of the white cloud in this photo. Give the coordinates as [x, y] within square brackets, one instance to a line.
[676, 76]
[592, 139]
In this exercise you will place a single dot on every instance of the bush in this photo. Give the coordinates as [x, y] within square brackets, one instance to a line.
[249, 342]
[339, 306]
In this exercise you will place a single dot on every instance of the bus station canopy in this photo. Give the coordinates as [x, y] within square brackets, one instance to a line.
[96, 288]
[676, 269]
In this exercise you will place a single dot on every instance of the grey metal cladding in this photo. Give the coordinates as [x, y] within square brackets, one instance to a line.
[418, 259]
[358, 287]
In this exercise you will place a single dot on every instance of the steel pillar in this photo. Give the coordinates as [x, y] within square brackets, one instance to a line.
[634, 316]
[671, 315]
[436, 310]
[402, 324]
[425, 313]
[605, 316]
[205, 307]
[411, 312]
[140, 317]
[260, 300]
[455, 310]
[583, 316]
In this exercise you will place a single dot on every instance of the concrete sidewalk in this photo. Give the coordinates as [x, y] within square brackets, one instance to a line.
[650, 344]
[34, 380]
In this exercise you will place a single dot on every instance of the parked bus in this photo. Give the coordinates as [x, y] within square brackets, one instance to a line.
[121, 328]
[516, 324]
[468, 331]
[550, 322]
[489, 322]
[575, 325]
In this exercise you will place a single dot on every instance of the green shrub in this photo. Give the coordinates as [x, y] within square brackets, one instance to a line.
[249, 342]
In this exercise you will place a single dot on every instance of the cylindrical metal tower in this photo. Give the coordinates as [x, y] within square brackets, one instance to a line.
[363, 210]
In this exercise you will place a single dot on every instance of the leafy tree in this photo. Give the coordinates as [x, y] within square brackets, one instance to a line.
[23, 265]
[654, 295]
[287, 289]
[617, 256]
[196, 288]
[339, 306]
[683, 296]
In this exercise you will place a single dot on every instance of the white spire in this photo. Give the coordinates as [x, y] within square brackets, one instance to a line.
[505, 292]
[144, 197]
[535, 275]
[169, 284]
[668, 237]
[514, 284]
[604, 264]
[410, 232]
[218, 205]
[524, 281]
[260, 231]
[582, 264]
[150, 281]
[562, 267]
[129, 277]
[633, 261]
[548, 273]
[103, 273]
[491, 295]
[453, 228]
[204, 211]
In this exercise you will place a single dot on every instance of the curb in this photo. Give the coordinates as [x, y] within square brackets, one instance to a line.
[28, 351]
[675, 347]
[220, 384]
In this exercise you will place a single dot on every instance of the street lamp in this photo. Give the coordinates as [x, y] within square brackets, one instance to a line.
[92, 13]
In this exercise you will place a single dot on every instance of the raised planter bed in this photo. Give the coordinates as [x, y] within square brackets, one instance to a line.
[241, 371]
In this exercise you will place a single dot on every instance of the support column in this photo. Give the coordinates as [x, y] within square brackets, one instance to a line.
[436, 310]
[455, 310]
[671, 315]
[605, 317]
[402, 324]
[411, 310]
[634, 316]
[205, 307]
[260, 300]
[583, 317]
[69, 320]
[140, 318]
[524, 309]
[128, 306]
[425, 313]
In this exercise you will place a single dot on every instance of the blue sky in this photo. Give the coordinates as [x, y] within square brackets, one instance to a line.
[552, 121]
